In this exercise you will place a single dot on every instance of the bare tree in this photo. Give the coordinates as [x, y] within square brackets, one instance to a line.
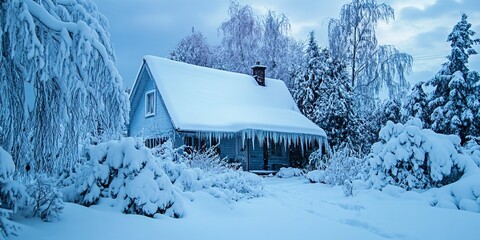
[241, 35]
[352, 39]
[193, 49]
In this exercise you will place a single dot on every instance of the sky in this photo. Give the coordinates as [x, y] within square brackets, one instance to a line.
[154, 27]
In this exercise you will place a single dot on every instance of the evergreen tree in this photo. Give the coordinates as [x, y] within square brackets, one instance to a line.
[306, 84]
[334, 108]
[415, 105]
[454, 104]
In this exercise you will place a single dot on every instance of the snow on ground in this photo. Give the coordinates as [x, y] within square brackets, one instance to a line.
[292, 208]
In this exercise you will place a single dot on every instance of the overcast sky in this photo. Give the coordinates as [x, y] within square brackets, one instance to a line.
[154, 27]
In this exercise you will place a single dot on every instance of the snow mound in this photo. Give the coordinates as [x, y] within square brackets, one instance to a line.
[7, 167]
[289, 172]
[316, 176]
[463, 194]
[125, 170]
[411, 157]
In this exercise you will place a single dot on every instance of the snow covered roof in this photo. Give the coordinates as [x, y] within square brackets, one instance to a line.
[210, 100]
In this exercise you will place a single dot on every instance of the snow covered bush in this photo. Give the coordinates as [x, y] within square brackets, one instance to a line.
[235, 185]
[207, 160]
[47, 200]
[12, 195]
[289, 172]
[411, 157]
[206, 171]
[316, 176]
[340, 167]
[7, 227]
[473, 149]
[317, 159]
[127, 171]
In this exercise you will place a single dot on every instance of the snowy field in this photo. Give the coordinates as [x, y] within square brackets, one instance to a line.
[291, 209]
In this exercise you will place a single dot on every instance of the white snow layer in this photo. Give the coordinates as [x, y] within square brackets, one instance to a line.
[291, 209]
[7, 167]
[208, 100]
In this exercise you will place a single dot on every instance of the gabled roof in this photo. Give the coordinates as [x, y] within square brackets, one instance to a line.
[202, 99]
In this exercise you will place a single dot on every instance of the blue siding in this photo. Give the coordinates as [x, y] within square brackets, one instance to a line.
[274, 162]
[153, 126]
[228, 148]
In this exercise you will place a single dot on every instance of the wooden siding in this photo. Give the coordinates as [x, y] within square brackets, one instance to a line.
[154, 126]
[228, 149]
[274, 162]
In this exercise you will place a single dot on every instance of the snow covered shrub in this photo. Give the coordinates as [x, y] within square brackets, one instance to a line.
[473, 149]
[47, 200]
[347, 188]
[316, 176]
[341, 166]
[411, 157]
[12, 195]
[463, 194]
[127, 171]
[205, 171]
[317, 159]
[7, 227]
[208, 160]
[289, 172]
[191, 179]
[235, 185]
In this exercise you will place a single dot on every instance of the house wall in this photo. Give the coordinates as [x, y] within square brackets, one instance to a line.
[228, 148]
[274, 162]
[153, 126]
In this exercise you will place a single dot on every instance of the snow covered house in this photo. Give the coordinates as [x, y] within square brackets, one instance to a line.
[252, 119]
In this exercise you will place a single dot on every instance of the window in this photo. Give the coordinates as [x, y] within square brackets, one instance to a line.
[276, 150]
[150, 103]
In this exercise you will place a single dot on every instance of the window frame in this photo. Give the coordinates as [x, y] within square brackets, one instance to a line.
[153, 94]
[274, 148]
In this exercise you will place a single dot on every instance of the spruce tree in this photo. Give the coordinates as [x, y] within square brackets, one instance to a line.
[334, 109]
[415, 105]
[306, 84]
[454, 104]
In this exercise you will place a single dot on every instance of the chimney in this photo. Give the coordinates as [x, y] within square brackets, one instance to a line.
[259, 73]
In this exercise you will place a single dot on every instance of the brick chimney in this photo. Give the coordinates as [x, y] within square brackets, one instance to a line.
[259, 73]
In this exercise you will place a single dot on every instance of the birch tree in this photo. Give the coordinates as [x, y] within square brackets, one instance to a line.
[352, 39]
[58, 52]
[240, 39]
[193, 49]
